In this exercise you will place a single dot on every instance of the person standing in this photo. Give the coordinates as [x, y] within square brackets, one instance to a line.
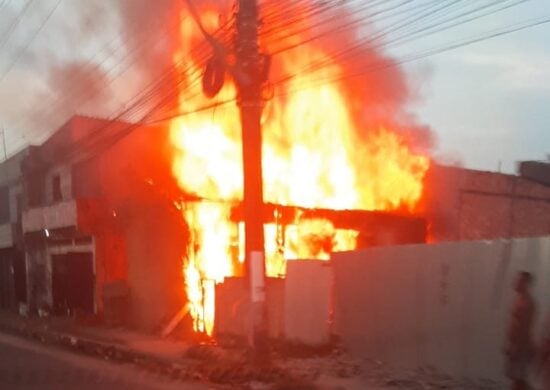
[545, 357]
[519, 343]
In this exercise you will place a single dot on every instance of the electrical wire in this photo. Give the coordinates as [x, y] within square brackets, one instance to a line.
[30, 41]
[427, 53]
[377, 42]
[4, 3]
[95, 142]
[7, 34]
[382, 66]
[412, 58]
[147, 118]
[140, 101]
[93, 63]
[339, 28]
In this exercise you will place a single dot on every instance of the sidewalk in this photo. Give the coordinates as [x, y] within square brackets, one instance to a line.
[230, 367]
[115, 344]
[226, 368]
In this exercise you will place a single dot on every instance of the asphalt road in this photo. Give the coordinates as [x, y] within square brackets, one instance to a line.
[29, 365]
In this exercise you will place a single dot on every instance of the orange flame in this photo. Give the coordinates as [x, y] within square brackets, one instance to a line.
[314, 156]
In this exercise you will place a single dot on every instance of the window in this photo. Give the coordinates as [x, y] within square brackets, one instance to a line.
[56, 188]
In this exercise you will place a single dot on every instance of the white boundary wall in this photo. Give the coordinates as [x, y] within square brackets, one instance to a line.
[443, 305]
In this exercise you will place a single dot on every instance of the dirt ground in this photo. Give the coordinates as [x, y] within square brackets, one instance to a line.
[327, 369]
[227, 363]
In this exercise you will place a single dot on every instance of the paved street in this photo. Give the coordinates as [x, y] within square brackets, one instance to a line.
[30, 365]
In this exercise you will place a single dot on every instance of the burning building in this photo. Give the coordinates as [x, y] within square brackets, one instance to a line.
[102, 236]
[343, 168]
[148, 228]
[333, 153]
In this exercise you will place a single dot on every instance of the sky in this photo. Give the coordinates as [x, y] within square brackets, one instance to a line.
[488, 104]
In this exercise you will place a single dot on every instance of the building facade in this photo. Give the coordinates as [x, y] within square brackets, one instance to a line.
[93, 242]
[465, 204]
[102, 233]
[12, 262]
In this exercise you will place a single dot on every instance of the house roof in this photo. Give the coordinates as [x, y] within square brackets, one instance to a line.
[538, 171]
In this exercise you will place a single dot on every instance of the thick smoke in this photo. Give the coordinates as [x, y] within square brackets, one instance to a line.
[76, 84]
[90, 58]
[378, 89]
[93, 56]
[150, 28]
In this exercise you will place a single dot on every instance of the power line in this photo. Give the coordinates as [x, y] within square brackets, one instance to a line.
[206, 107]
[309, 23]
[4, 3]
[416, 16]
[345, 26]
[143, 101]
[7, 34]
[376, 41]
[427, 53]
[110, 139]
[110, 74]
[382, 66]
[145, 96]
[93, 62]
[189, 82]
[29, 42]
[94, 142]
[363, 44]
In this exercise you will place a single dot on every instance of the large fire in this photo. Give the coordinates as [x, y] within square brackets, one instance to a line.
[315, 155]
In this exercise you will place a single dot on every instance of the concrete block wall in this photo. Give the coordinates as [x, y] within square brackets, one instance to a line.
[307, 299]
[233, 307]
[444, 305]
[464, 204]
[154, 246]
[298, 305]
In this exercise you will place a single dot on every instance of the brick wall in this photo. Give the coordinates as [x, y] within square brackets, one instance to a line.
[465, 204]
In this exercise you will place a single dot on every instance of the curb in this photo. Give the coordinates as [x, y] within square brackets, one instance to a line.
[208, 372]
[106, 351]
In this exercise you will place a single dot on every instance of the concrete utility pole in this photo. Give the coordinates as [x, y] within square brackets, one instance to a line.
[249, 66]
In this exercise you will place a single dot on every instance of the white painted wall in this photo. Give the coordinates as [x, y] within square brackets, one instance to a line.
[307, 301]
[6, 235]
[52, 217]
[444, 305]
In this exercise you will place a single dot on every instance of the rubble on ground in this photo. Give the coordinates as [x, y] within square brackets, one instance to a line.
[228, 365]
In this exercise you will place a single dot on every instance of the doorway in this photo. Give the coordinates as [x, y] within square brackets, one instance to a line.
[73, 283]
